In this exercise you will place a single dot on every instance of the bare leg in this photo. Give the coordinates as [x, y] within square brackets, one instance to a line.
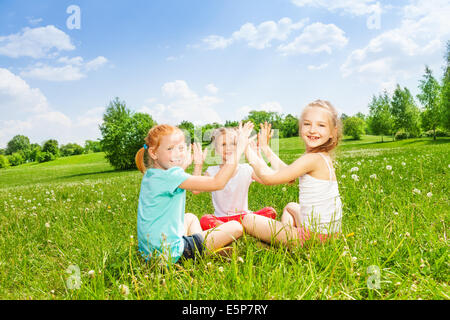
[222, 235]
[191, 224]
[269, 230]
[291, 214]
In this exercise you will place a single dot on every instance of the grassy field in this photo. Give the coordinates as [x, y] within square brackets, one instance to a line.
[68, 231]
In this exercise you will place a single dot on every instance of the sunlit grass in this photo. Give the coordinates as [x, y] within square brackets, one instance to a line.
[77, 211]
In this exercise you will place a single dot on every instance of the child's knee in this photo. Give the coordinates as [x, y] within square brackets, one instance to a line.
[236, 228]
[190, 216]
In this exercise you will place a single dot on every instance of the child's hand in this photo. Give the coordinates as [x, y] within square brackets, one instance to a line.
[188, 158]
[199, 156]
[243, 134]
[264, 135]
[254, 146]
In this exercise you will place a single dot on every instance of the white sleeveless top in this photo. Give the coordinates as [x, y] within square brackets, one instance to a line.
[320, 203]
[233, 199]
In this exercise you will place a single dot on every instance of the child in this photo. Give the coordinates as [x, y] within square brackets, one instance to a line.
[163, 227]
[230, 203]
[319, 209]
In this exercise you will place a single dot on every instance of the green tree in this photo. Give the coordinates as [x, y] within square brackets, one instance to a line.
[429, 97]
[16, 159]
[71, 149]
[91, 146]
[445, 94]
[231, 124]
[123, 134]
[354, 127]
[406, 115]
[44, 156]
[289, 126]
[51, 146]
[380, 119]
[258, 117]
[17, 143]
[4, 162]
[188, 129]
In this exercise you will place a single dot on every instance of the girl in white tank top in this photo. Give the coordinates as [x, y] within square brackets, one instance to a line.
[319, 210]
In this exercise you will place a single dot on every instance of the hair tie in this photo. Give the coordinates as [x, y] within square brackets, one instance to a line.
[145, 146]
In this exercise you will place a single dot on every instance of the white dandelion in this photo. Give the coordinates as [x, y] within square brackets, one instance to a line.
[373, 176]
[355, 177]
[388, 167]
[429, 194]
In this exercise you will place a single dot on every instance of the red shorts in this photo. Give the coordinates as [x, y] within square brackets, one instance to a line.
[209, 221]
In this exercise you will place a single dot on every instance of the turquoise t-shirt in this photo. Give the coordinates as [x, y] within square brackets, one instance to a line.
[161, 209]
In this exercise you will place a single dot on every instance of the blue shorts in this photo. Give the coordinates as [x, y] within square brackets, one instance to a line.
[193, 245]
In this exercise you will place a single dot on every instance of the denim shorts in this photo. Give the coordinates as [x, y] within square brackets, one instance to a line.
[193, 245]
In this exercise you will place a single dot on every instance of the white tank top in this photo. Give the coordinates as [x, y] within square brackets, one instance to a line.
[320, 203]
[233, 199]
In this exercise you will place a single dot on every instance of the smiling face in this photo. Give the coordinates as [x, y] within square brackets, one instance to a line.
[225, 145]
[171, 151]
[316, 127]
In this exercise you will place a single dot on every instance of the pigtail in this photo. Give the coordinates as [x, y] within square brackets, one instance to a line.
[139, 159]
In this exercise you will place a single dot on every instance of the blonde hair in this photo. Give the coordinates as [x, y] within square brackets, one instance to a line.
[153, 140]
[221, 131]
[335, 121]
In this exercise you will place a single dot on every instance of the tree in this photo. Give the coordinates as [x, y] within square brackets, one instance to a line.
[445, 92]
[91, 146]
[258, 117]
[16, 159]
[71, 149]
[429, 97]
[380, 119]
[17, 143]
[405, 113]
[231, 124]
[44, 156]
[354, 127]
[123, 134]
[4, 162]
[51, 146]
[188, 129]
[289, 126]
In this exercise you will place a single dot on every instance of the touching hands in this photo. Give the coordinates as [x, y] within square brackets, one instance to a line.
[243, 137]
[199, 156]
[264, 135]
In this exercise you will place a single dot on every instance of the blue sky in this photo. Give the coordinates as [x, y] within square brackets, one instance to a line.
[205, 61]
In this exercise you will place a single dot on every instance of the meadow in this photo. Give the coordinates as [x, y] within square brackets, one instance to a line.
[68, 231]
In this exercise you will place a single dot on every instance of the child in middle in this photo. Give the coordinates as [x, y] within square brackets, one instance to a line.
[230, 203]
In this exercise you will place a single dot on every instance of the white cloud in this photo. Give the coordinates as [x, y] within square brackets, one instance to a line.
[258, 37]
[353, 7]
[318, 67]
[183, 104]
[96, 63]
[35, 42]
[25, 110]
[212, 88]
[316, 38]
[213, 42]
[401, 53]
[74, 69]
[15, 94]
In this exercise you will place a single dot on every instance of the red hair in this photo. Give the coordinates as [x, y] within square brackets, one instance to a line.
[153, 141]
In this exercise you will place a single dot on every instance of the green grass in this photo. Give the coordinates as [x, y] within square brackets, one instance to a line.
[78, 211]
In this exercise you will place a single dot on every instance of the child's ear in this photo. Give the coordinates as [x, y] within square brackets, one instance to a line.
[152, 154]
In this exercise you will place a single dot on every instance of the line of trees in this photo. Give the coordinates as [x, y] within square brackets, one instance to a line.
[19, 150]
[401, 117]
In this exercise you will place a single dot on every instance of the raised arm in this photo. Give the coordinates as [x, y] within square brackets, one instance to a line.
[199, 158]
[264, 135]
[218, 182]
[304, 164]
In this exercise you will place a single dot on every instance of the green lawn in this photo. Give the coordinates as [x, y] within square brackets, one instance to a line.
[75, 219]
